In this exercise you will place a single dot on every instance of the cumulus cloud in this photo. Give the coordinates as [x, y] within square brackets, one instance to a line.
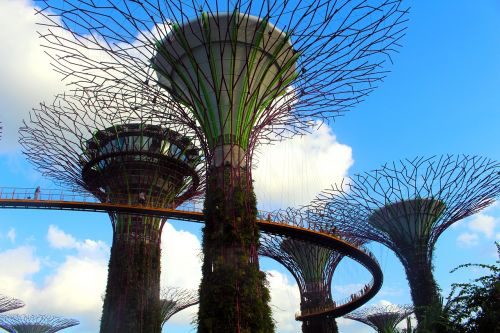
[293, 172]
[285, 301]
[482, 225]
[181, 266]
[11, 235]
[27, 77]
[467, 239]
[74, 288]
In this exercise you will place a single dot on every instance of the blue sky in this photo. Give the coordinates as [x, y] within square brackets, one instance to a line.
[441, 97]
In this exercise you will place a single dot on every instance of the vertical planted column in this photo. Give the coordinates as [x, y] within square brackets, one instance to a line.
[228, 68]
[141, 165]
[237, 80]
[107, 144]
[407, 205]
[233, 292]
[312, 266]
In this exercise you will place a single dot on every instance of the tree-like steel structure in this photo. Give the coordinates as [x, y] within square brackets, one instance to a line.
[383, 318]
[111, 146]
[9, 303]
[35, 323]
[407, 205]
[240, 73]
[174, 300]
[311, 265]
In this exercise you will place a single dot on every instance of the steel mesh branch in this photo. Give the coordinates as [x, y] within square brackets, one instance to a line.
[112, 146]
[35, 323]
[55, 138]
[406, 206]
[383, 318]
[460, 185]
[338, 48]
[9, 303]
[311, 265]
[174, 300]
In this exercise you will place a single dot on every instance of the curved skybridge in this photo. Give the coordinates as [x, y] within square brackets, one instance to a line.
[55, 199]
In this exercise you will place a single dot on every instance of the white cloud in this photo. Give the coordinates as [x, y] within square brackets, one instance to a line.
[17, 264]
[181, 267]
[285, 301]
[467, 239]
[293, 172]
[27, 77]
[484, 224]
[59, 239]
[11, 235]
[347, 289]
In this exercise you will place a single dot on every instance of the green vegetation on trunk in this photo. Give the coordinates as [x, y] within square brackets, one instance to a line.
[233, 293]
[132, 299]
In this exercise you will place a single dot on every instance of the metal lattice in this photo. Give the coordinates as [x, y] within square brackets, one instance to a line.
[383, 318]
[332, 55]
[174, 300]
[9, 303]
[35, 323]
[407, 205]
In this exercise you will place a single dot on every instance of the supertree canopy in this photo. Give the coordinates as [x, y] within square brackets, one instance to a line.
[239, 73]
[35, 323]
[174, 300]
[8, 303]
[110, 146]
[407, 205]
[382, 318]
[311, 265]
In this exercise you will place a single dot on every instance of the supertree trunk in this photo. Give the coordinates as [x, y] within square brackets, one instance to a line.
[423, 287]
[233, 292]
[132, 300]
[320, 325]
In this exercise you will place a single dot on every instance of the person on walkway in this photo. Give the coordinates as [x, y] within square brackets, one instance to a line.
[37, 193]
[142, 198]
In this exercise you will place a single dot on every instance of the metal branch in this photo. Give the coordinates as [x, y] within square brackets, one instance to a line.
[311, 265]
[334, 57]
[8, 303]
[450, 187]
[383, 318]
[35, 323]
[174, 300]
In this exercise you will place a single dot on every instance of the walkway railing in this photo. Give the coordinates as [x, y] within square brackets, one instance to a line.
[11, 197]
[20, 193]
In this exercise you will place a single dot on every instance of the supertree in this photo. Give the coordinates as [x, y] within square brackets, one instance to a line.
[35, 323]
[383, 318]
[8, 303]
[311, 265]
[407, 205]
[240, 73]
[110, 146]
[174, 300]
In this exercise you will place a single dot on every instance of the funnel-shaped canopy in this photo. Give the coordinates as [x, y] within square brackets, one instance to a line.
[228, 68]
[408, 221]
[125, 160]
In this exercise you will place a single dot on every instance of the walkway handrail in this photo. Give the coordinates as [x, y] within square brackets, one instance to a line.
[58, 199]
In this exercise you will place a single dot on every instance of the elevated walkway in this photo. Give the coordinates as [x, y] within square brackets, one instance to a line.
[25, 198]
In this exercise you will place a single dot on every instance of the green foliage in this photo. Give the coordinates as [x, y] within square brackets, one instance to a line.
[475, 306]
[132, 299]
[233, 293]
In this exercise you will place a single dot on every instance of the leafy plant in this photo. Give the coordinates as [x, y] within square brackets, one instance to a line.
[475, 306]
